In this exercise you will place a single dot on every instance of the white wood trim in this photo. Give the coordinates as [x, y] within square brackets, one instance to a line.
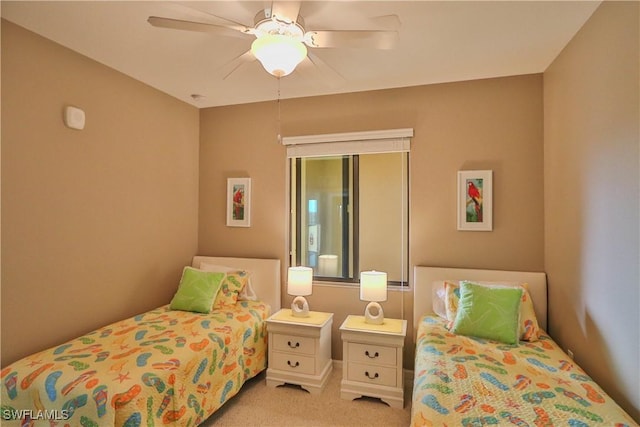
[348, 136]
[337, 144]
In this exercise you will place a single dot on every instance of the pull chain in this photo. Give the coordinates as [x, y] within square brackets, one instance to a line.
[279, 122]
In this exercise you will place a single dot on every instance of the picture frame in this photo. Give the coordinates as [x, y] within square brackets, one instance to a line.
[238, 202]
[475, 200]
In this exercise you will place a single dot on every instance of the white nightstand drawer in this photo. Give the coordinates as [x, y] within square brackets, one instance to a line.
[299, 349]
[293, 344]
[373, 359]
[372, 374]
[293, 363]
[371, 353]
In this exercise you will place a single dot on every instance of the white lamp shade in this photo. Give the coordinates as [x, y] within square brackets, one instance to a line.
[278, 54]
[373, 286]
[300, 281]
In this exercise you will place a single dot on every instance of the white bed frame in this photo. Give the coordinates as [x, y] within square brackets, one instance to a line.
[423, 278]
[264, 275]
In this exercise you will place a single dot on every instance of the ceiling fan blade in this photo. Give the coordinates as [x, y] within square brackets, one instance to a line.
[178, 24]
[352, 38]
[313, 64]
[386, 22]
[227, 69]
[199, 8]
[285, 10]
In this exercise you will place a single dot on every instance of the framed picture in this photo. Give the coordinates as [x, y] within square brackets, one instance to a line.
[238, 202]
[475, 204]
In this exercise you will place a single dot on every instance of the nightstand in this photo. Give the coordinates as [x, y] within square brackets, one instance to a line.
[372, 360]
[299, 350]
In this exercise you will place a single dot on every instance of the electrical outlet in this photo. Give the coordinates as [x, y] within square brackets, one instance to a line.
[570, 354]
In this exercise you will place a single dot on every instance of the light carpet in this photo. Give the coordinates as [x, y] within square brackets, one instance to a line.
[289, 405]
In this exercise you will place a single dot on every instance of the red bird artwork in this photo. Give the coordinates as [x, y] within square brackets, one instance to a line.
[474, 194]
[238, 203]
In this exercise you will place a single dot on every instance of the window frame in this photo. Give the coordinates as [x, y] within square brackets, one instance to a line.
[351, 143]
[349, 251]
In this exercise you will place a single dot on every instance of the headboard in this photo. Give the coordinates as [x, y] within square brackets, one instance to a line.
[265, 275]
[423, 277]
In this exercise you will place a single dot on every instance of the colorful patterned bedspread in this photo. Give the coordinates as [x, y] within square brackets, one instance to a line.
[157, 368]
[462, 381]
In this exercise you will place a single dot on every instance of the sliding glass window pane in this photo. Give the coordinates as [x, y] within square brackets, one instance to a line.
[350, 214]
[323, 212]
[383, 226]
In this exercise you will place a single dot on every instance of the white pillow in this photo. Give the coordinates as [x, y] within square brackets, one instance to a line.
[438, 301]
[247, 293]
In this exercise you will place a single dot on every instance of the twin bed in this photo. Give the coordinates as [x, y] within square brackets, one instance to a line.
[162, 367]
[466, 381]
[174, 367]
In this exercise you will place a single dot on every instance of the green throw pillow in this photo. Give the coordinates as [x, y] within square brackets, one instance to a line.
[489, 312]
[197, 290]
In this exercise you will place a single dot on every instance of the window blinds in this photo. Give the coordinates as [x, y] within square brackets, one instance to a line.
[338, 144]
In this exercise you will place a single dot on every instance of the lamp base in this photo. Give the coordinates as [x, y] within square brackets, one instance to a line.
[371, 318]
[300, 307]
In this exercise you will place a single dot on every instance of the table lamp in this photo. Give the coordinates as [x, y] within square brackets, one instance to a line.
[373, 288]
[300, 284]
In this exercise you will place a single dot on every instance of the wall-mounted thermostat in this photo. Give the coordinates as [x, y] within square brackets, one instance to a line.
[74, 118]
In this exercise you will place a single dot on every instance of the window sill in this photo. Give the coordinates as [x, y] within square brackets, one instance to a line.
[344, 285]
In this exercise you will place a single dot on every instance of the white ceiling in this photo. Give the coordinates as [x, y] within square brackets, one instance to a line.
[440, 41]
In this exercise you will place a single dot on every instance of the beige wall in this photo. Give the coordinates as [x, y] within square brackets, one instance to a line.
[591, 200]
[488, 124]
[96, 224]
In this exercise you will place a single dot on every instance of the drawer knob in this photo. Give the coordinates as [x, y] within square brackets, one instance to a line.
[295, 365]
[366, 353]
[296, 345]
[371, 377]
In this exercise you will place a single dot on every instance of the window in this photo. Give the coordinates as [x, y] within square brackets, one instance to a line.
[349, 207]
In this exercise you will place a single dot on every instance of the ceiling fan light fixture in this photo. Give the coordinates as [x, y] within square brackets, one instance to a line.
[279, 54]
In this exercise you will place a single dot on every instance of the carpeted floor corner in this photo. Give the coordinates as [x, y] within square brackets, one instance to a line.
[290, 405]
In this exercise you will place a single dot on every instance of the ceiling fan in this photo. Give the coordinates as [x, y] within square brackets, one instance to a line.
[281, 40]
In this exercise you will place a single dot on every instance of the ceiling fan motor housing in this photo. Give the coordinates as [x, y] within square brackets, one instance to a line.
[267, 24]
